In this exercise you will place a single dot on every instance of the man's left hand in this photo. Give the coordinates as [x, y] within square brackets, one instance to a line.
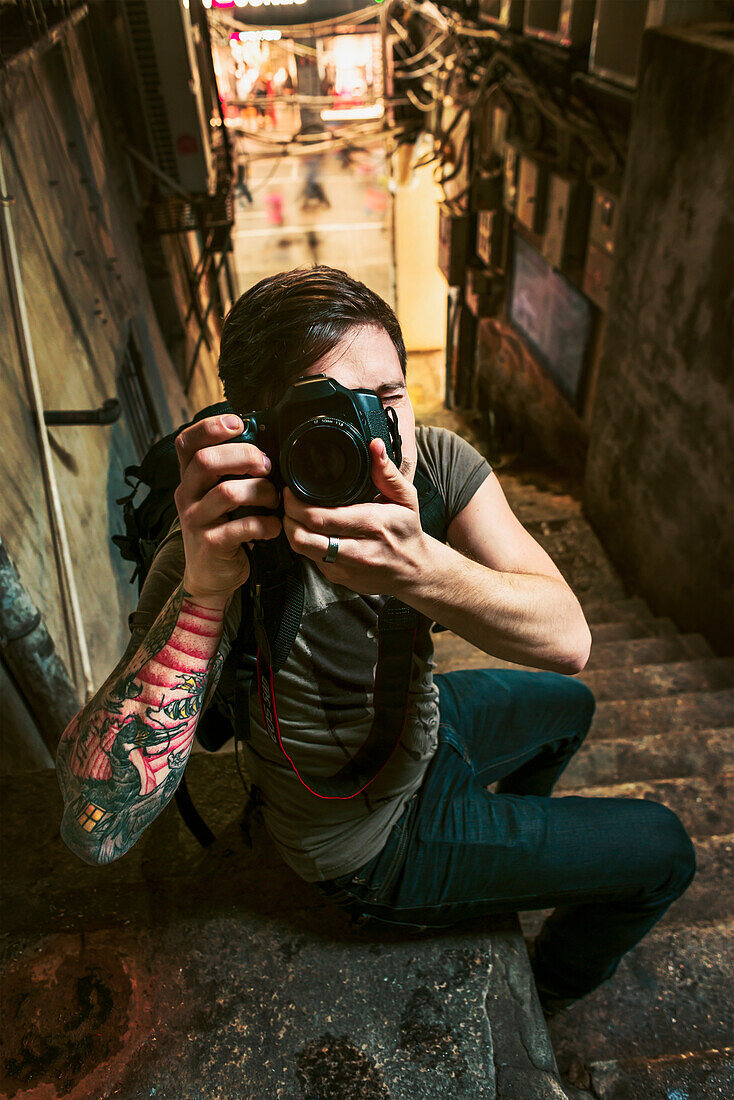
[381, 545]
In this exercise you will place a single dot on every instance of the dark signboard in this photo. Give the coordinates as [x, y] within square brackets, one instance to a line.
[280, 13]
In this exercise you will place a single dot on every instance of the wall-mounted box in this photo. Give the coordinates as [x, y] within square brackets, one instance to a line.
[484, 292]
[511, 161]
[504, 13]
[567, 228]
[487, 190]
[453, 246]
[616, 38]
[568, 23]
[598, 275]
[604, 215]
[532, 194]
[490, 238]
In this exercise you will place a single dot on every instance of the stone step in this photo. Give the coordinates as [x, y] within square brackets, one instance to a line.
[702, 752]
[675, 714]
[224, 958]
[671, 995]
[579, 555]
[708, 900]
[684, 1076]
[615, 611]
[617, 670]
[653, 681]
[632, 628]
[647, 651]
[705, 806]
[527, 488]
[529, 512]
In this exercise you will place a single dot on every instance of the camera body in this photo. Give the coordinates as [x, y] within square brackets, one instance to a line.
[317, 438]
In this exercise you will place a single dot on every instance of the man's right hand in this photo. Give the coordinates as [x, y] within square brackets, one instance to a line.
[216, 561]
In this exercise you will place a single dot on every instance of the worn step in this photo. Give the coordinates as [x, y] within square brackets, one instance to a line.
[688, 1075]
[670, 995]
[616, 679]
[224, 958]
[455, 652]
[674, 678]
[632, 628]
[615, 611]
[577, 552]
[540, 507]
[674, 714]
[660, 756]
[705, 806]
[530, 512]
[648, 651]
[708, 900]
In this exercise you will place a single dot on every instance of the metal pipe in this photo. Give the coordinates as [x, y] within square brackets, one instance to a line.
[67, 583]
[108, 412]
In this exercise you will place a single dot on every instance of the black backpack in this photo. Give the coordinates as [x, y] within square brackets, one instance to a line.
[278, 600]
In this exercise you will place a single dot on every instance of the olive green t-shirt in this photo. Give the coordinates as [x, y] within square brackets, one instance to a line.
[324, 695]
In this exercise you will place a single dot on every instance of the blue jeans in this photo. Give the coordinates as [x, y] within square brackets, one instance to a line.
[609, 867]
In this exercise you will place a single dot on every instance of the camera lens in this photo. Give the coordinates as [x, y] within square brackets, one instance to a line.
[326, 462]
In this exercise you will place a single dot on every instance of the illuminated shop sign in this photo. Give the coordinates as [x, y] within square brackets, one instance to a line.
[251, 3]
[270, 34]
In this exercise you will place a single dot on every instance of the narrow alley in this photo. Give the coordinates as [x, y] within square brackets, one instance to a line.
[248, 848]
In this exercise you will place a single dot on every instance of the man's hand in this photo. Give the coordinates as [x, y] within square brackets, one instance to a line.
[216, 562]
[381, 545]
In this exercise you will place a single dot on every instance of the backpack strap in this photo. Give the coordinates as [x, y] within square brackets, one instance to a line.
[431, 505]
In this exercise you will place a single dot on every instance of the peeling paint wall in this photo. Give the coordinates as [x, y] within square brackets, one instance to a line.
[660, 473]
[74, 219]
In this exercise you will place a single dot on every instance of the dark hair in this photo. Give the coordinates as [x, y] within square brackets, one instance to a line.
[281, 326]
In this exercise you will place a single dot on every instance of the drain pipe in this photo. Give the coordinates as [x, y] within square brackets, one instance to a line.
[67, 583]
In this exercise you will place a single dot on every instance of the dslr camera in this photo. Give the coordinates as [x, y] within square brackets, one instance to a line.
[317, 438]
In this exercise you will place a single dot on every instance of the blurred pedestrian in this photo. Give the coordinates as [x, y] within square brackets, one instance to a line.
[313, 193]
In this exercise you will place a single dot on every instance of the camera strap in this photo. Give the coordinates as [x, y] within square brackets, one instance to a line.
[278, 595]
[396, 630]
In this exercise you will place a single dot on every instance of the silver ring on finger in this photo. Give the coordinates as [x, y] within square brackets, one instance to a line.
[330, 555]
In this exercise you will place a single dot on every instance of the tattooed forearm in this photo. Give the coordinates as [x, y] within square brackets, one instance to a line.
[121, 758]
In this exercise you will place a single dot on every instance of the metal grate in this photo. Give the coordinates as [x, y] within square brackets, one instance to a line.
[150, 81]
[132, 386]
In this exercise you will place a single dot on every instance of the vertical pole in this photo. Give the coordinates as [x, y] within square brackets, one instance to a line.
[67, 583]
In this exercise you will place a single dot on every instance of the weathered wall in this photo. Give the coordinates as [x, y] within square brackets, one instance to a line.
[530, 413]
[75, 224]
[660, 479]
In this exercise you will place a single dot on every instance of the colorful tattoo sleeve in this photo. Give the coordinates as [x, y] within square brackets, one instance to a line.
[121, 758]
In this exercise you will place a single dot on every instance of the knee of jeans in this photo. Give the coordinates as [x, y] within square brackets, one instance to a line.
[585, 704]
[676, 852]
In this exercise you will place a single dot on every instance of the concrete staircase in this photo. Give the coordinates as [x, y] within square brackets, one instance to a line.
[184, 975]
[664, 730]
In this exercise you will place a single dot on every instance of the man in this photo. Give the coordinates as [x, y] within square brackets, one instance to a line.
[425, 843]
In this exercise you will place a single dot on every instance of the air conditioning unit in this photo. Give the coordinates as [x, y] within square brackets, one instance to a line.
[453, 246]
[484, 292]
[532, 195]
[617, 35]
[510, 172]
[503, 13]
[599, 265]
[568, 23]
[567, 230]
[162, 46]
[490, 238]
